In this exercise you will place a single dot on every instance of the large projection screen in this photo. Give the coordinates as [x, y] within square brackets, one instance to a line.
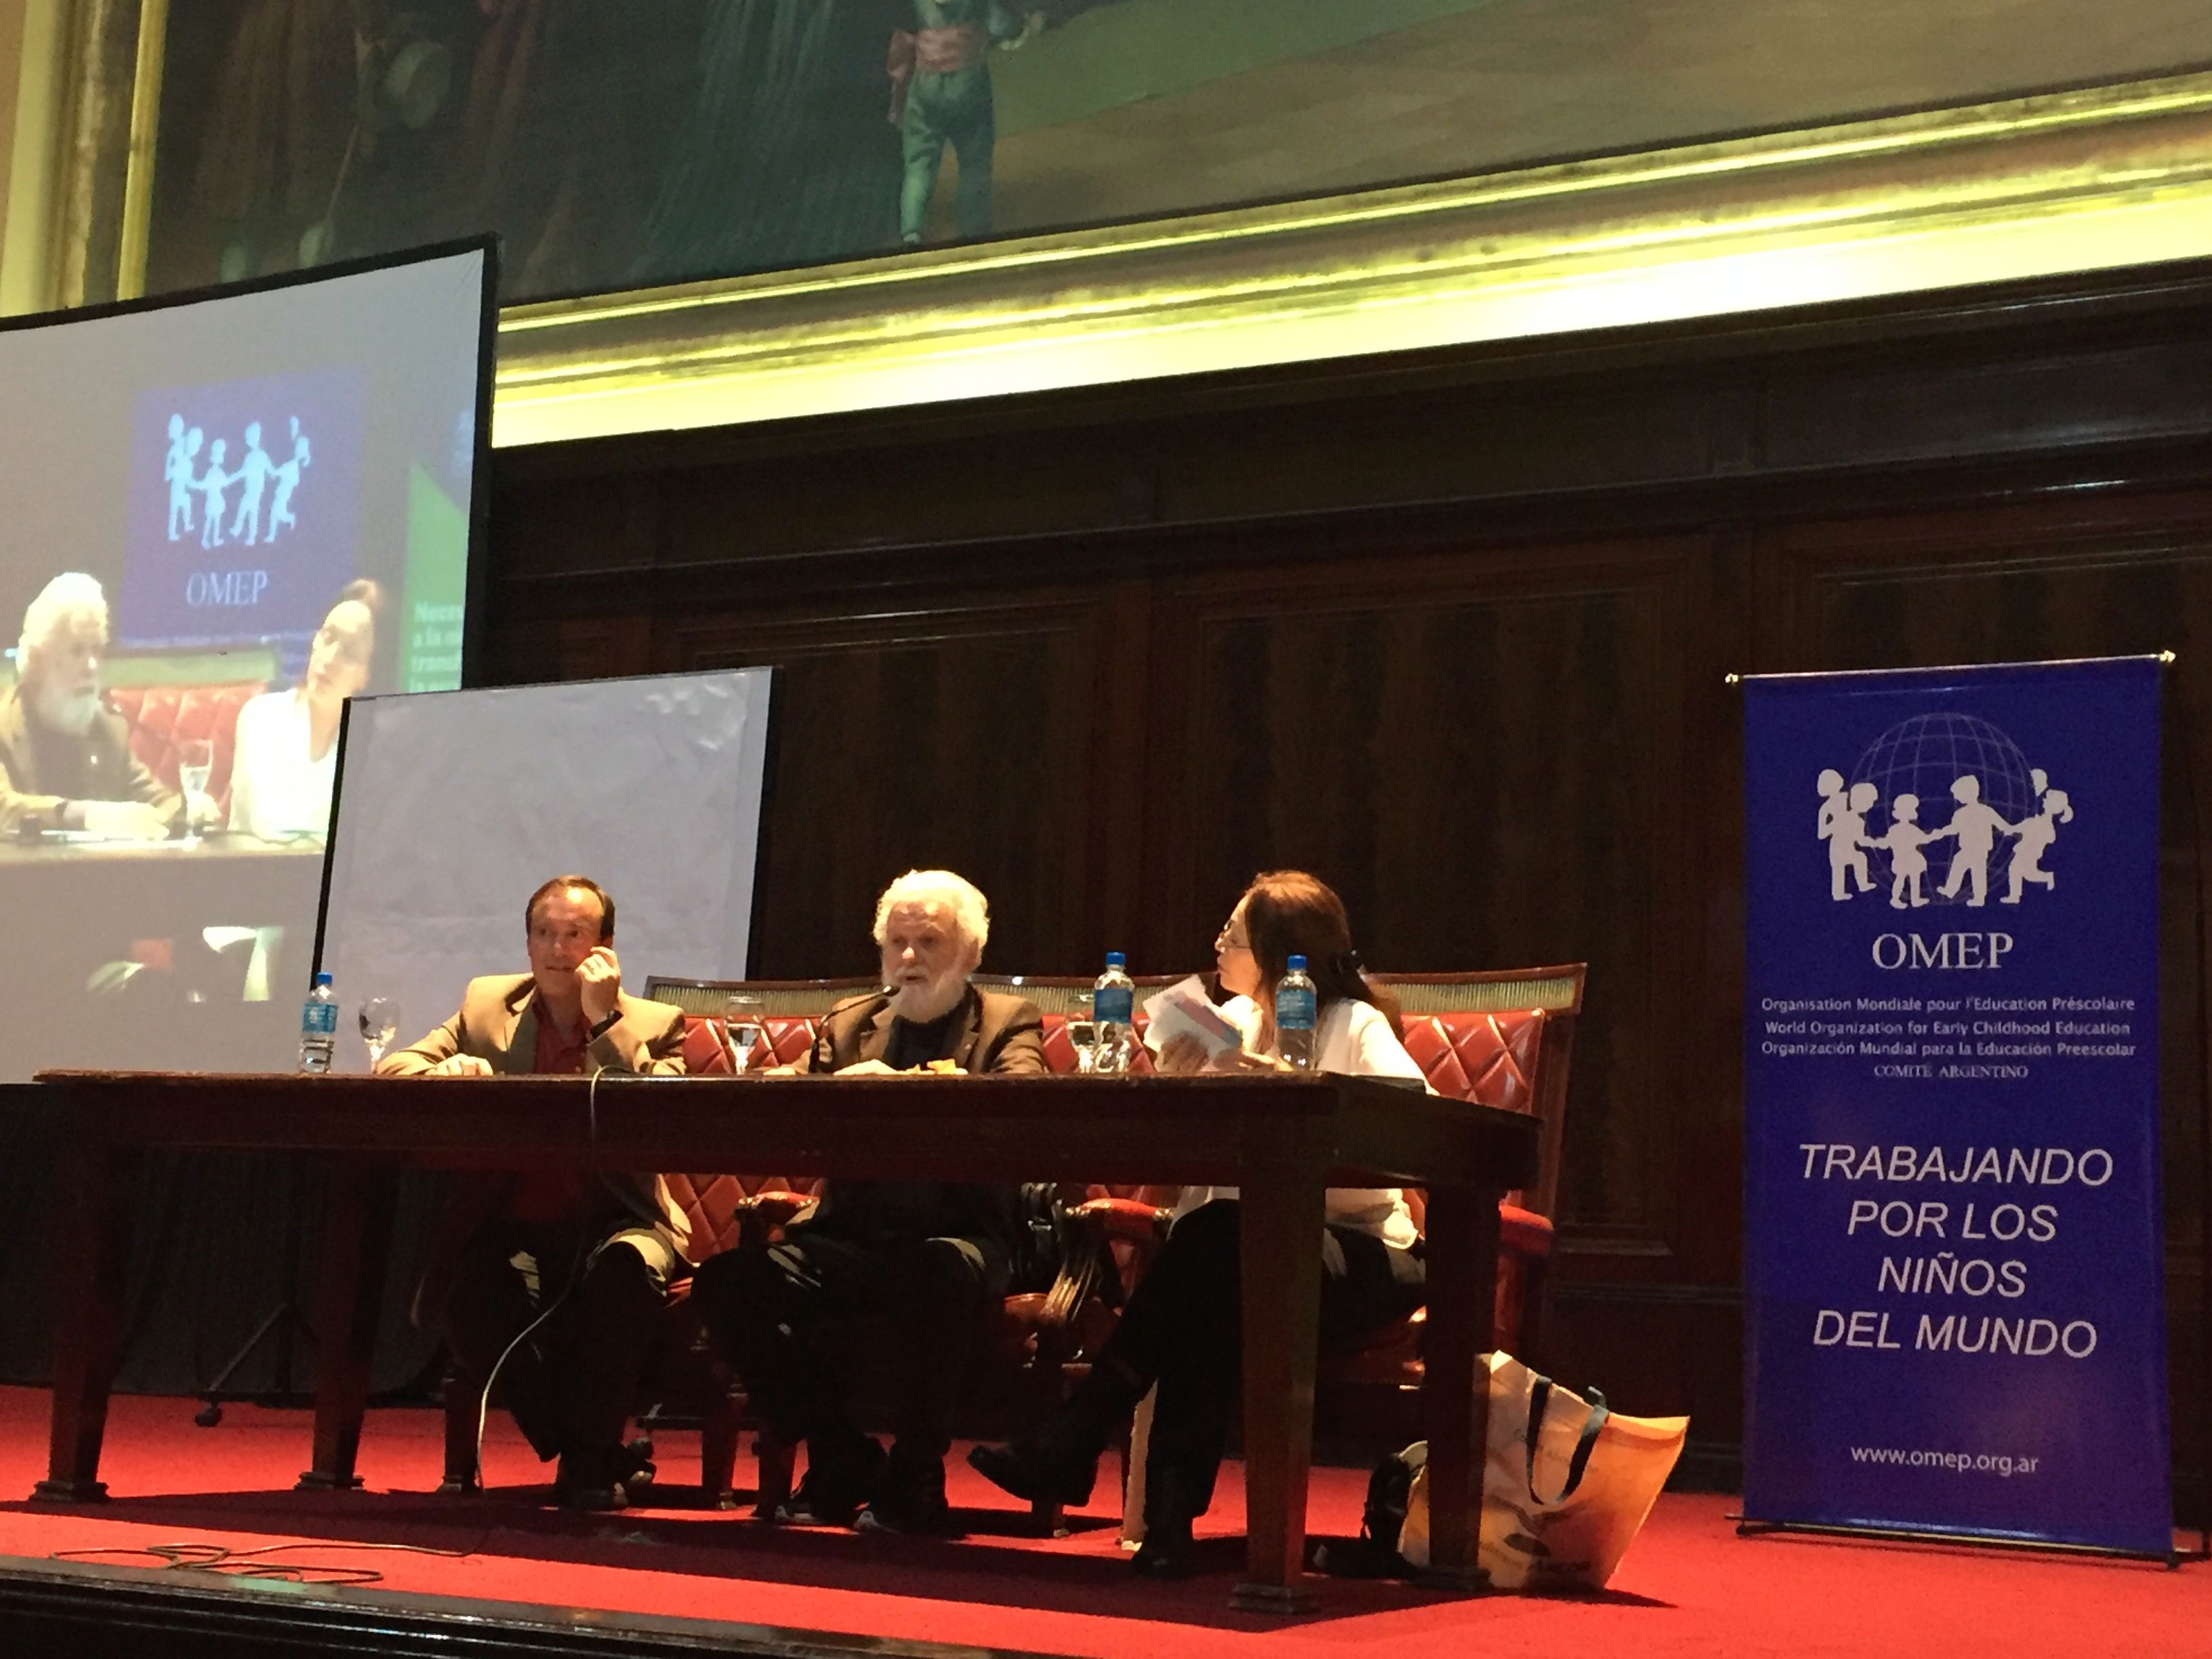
[223, 514]
[453, 809]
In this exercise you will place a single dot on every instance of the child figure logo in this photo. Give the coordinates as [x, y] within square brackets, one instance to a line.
[255, 470]
[2001, 808]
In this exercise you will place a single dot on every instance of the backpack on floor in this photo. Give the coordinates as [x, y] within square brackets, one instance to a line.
[1374, 1553]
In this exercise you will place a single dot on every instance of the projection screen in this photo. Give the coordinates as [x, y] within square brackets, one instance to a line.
[223, 514]
[454, 809]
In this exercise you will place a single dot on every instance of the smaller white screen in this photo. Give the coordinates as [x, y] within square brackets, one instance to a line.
[454, 806]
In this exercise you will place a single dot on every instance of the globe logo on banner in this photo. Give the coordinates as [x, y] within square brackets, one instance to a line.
[1940, 809]
[242, 510]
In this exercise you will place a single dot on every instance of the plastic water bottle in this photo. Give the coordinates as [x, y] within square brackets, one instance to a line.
[319, 1026]
[1294, 1007]
[1113, 1011]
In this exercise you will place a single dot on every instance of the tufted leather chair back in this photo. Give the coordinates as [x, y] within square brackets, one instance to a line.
[162, 717]
[717, 1205]
[1488, 1059]
[1463, 1006]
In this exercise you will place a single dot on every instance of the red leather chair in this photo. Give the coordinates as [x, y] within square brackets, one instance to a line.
[163, 717]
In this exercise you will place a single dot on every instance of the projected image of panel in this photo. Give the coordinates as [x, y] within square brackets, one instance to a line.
[220, 517]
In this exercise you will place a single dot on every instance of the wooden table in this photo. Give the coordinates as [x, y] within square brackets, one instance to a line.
[1281, 1140]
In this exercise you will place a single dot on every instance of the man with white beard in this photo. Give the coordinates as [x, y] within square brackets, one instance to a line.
[65, 759]
[928, 1255]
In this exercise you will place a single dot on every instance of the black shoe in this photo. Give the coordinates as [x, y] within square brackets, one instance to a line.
[1171, 1503]
[1168, 1550]
[1038, 1470]
[838, 1486]
[910, 1499]
[612, 1478]
[592, 1480]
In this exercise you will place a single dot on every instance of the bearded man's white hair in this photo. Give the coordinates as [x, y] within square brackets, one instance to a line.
[971, 912]
[69, 595]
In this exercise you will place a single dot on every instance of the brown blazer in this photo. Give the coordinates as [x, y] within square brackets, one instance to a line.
[996, 1032]
[498, 1023]
[24, 797]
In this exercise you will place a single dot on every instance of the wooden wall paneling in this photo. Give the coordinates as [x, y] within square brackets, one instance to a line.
[960, 733]
[523, 649]
[1479, 750]
[966, 473]
[547, 528]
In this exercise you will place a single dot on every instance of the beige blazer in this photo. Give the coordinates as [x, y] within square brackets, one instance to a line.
[25, 797]
[498, 1023]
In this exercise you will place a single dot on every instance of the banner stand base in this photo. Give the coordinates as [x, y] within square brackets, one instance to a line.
[2170, 1559]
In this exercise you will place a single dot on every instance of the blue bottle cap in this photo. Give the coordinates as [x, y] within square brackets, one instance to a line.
[1297, 964]
[322, 979]
[1115, 959]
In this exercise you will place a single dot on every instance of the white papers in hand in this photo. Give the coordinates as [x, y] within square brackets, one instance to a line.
[1184, 1010]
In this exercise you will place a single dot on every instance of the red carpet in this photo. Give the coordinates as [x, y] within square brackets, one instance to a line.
[1689, 1587]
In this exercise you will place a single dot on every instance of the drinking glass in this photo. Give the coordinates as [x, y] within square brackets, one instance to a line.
[742, 1030]
[380, 1023]
[1084, 1033]
[195, 761]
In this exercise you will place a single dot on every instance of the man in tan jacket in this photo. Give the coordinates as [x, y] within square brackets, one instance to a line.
[601, 1250]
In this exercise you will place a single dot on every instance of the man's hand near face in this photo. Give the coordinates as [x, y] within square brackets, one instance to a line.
[598, 984]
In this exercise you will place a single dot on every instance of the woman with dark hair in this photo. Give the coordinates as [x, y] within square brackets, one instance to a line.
[1181, 1329]
[285, 755]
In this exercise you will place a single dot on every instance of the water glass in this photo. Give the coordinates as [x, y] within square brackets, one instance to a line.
[742, 1031]
[1083, 1032]
[380, 1023]
[194, 762]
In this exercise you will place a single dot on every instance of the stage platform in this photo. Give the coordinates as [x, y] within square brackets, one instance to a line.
[503, 1574]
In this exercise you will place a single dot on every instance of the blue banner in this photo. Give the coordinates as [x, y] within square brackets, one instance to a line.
[1954, 1272]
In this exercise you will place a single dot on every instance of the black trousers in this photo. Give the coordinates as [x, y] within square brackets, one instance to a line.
[1183, 1329]
[773, 1309]
[570, 1385]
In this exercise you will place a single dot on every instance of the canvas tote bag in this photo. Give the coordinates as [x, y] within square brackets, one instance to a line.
[1566, 1484]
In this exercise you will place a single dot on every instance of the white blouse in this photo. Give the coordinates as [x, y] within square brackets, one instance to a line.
[1353, 1039]
[275, 790]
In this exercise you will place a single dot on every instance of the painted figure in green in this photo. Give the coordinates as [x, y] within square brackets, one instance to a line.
[941, 94]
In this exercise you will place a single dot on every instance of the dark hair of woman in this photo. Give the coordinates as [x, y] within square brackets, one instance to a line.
[1289, 913]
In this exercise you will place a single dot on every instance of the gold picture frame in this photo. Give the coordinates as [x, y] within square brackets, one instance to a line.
[2097, 178]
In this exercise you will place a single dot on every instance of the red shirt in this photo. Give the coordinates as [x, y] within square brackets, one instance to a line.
[559, 1053]
[552, 1195]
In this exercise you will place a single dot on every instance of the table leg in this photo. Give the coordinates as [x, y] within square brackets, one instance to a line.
[356, 1237]
[89, 1324]
[1463, 1263]
[1281, 1226]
